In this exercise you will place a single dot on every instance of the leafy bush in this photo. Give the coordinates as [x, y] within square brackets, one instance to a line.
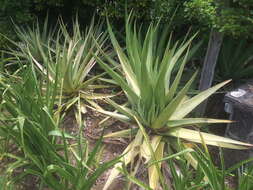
[156, 106]
[33, 41]
[29, 119]
[231, 17]
[63, 54]
[235, 60]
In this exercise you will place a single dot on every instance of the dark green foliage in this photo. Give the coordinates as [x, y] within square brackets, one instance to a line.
[232, 17]
[19, 11]
[144, 10]
[13, 11]
[235, 60]
[25, 12]
[116, 9]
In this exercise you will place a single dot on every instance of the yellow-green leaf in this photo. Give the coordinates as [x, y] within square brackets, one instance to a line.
[210, 139]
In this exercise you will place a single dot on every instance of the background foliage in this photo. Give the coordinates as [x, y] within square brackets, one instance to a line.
[232, 17]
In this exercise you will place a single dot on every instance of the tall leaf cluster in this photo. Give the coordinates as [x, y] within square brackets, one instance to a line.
[157, 103]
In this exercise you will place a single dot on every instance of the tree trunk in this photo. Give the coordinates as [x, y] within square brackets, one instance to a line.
[207, 73]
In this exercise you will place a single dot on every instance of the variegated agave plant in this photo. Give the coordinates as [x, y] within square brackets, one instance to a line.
[33, 40]
[67, 57]
[156, 106]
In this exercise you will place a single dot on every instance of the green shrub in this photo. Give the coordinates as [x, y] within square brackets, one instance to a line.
[155, 105]
[29, 120]
[230, 17]
[63, 54]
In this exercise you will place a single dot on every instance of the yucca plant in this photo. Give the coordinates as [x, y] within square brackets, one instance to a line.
[32, 124]
[34, 39]
[71, 52]
[75, 57]
[235, 60]
[157, 108]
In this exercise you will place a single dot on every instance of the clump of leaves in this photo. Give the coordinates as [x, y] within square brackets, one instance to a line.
[235, 60]
[34, 40]
[29, 120]
[157, 108]
[68, 54]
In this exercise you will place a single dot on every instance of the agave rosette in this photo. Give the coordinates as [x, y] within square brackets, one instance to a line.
[33, 40]
[70, 58]
[157, 107]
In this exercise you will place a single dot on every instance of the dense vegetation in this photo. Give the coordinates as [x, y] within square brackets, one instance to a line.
[133, 64]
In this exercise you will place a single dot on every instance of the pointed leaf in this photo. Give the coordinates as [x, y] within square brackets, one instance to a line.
[194, 136]
[193, 102]
[194, 121]
[123, 133]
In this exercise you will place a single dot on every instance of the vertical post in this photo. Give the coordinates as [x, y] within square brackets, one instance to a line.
[207, 73]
